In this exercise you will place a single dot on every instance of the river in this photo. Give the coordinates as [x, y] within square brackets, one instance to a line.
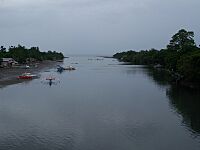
[102, 105]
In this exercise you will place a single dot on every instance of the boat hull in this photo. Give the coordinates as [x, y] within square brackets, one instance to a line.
[25, 77]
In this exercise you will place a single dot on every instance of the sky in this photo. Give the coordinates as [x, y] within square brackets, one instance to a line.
[100, 27]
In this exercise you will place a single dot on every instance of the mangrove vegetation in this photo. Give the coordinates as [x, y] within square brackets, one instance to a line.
[181, 57]
[21, 54]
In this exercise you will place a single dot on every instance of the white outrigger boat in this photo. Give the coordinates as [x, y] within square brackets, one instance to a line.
[69, 68]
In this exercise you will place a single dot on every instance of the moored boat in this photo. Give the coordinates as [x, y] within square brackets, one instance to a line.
[26, 76]
[50, 78]
[70, 68]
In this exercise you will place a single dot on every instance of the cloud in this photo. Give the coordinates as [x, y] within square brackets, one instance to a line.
[103, 25]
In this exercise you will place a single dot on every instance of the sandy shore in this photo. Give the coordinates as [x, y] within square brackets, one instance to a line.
[9, 76]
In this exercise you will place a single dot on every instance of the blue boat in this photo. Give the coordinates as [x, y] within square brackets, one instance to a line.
[60, 68]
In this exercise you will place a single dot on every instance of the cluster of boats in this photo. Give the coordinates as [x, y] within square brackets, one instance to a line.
[28, 75]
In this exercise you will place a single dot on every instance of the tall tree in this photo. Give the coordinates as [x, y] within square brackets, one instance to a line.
[2, 49]
[182, 41]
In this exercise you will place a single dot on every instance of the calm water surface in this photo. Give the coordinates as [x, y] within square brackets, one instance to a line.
[100, 106]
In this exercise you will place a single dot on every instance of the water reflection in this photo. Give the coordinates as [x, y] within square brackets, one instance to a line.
[159, 76]
[50, 81]
[184, 101]
[134, 69]
[6, 83]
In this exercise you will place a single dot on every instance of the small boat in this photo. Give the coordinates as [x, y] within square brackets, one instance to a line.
[60, 69]
[70, 68]
[50, 78]
[26, 76]
[25, 67]
[157, 66]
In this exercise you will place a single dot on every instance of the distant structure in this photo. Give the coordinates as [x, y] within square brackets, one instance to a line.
[8, 62]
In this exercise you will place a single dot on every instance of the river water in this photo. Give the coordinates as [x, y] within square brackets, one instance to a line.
[103, 105]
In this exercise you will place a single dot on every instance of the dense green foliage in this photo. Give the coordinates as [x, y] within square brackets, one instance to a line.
[181, 56]
[21, 54]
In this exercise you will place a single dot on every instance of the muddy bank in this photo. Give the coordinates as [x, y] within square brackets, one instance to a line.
[8, 76]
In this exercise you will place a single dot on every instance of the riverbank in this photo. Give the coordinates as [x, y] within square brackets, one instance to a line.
[175, 78]
[8, 76]
[170, 77]
[181, 57]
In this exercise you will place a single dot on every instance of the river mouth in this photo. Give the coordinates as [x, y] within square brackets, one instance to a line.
[100, 105]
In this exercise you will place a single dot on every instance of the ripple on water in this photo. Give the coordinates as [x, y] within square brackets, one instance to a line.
[140, 132]
[36, 140]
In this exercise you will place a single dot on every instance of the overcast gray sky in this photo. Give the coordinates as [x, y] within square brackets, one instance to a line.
[96, 26]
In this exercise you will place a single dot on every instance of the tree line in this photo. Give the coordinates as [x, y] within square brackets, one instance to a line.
[181, 55]
[21, 54]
